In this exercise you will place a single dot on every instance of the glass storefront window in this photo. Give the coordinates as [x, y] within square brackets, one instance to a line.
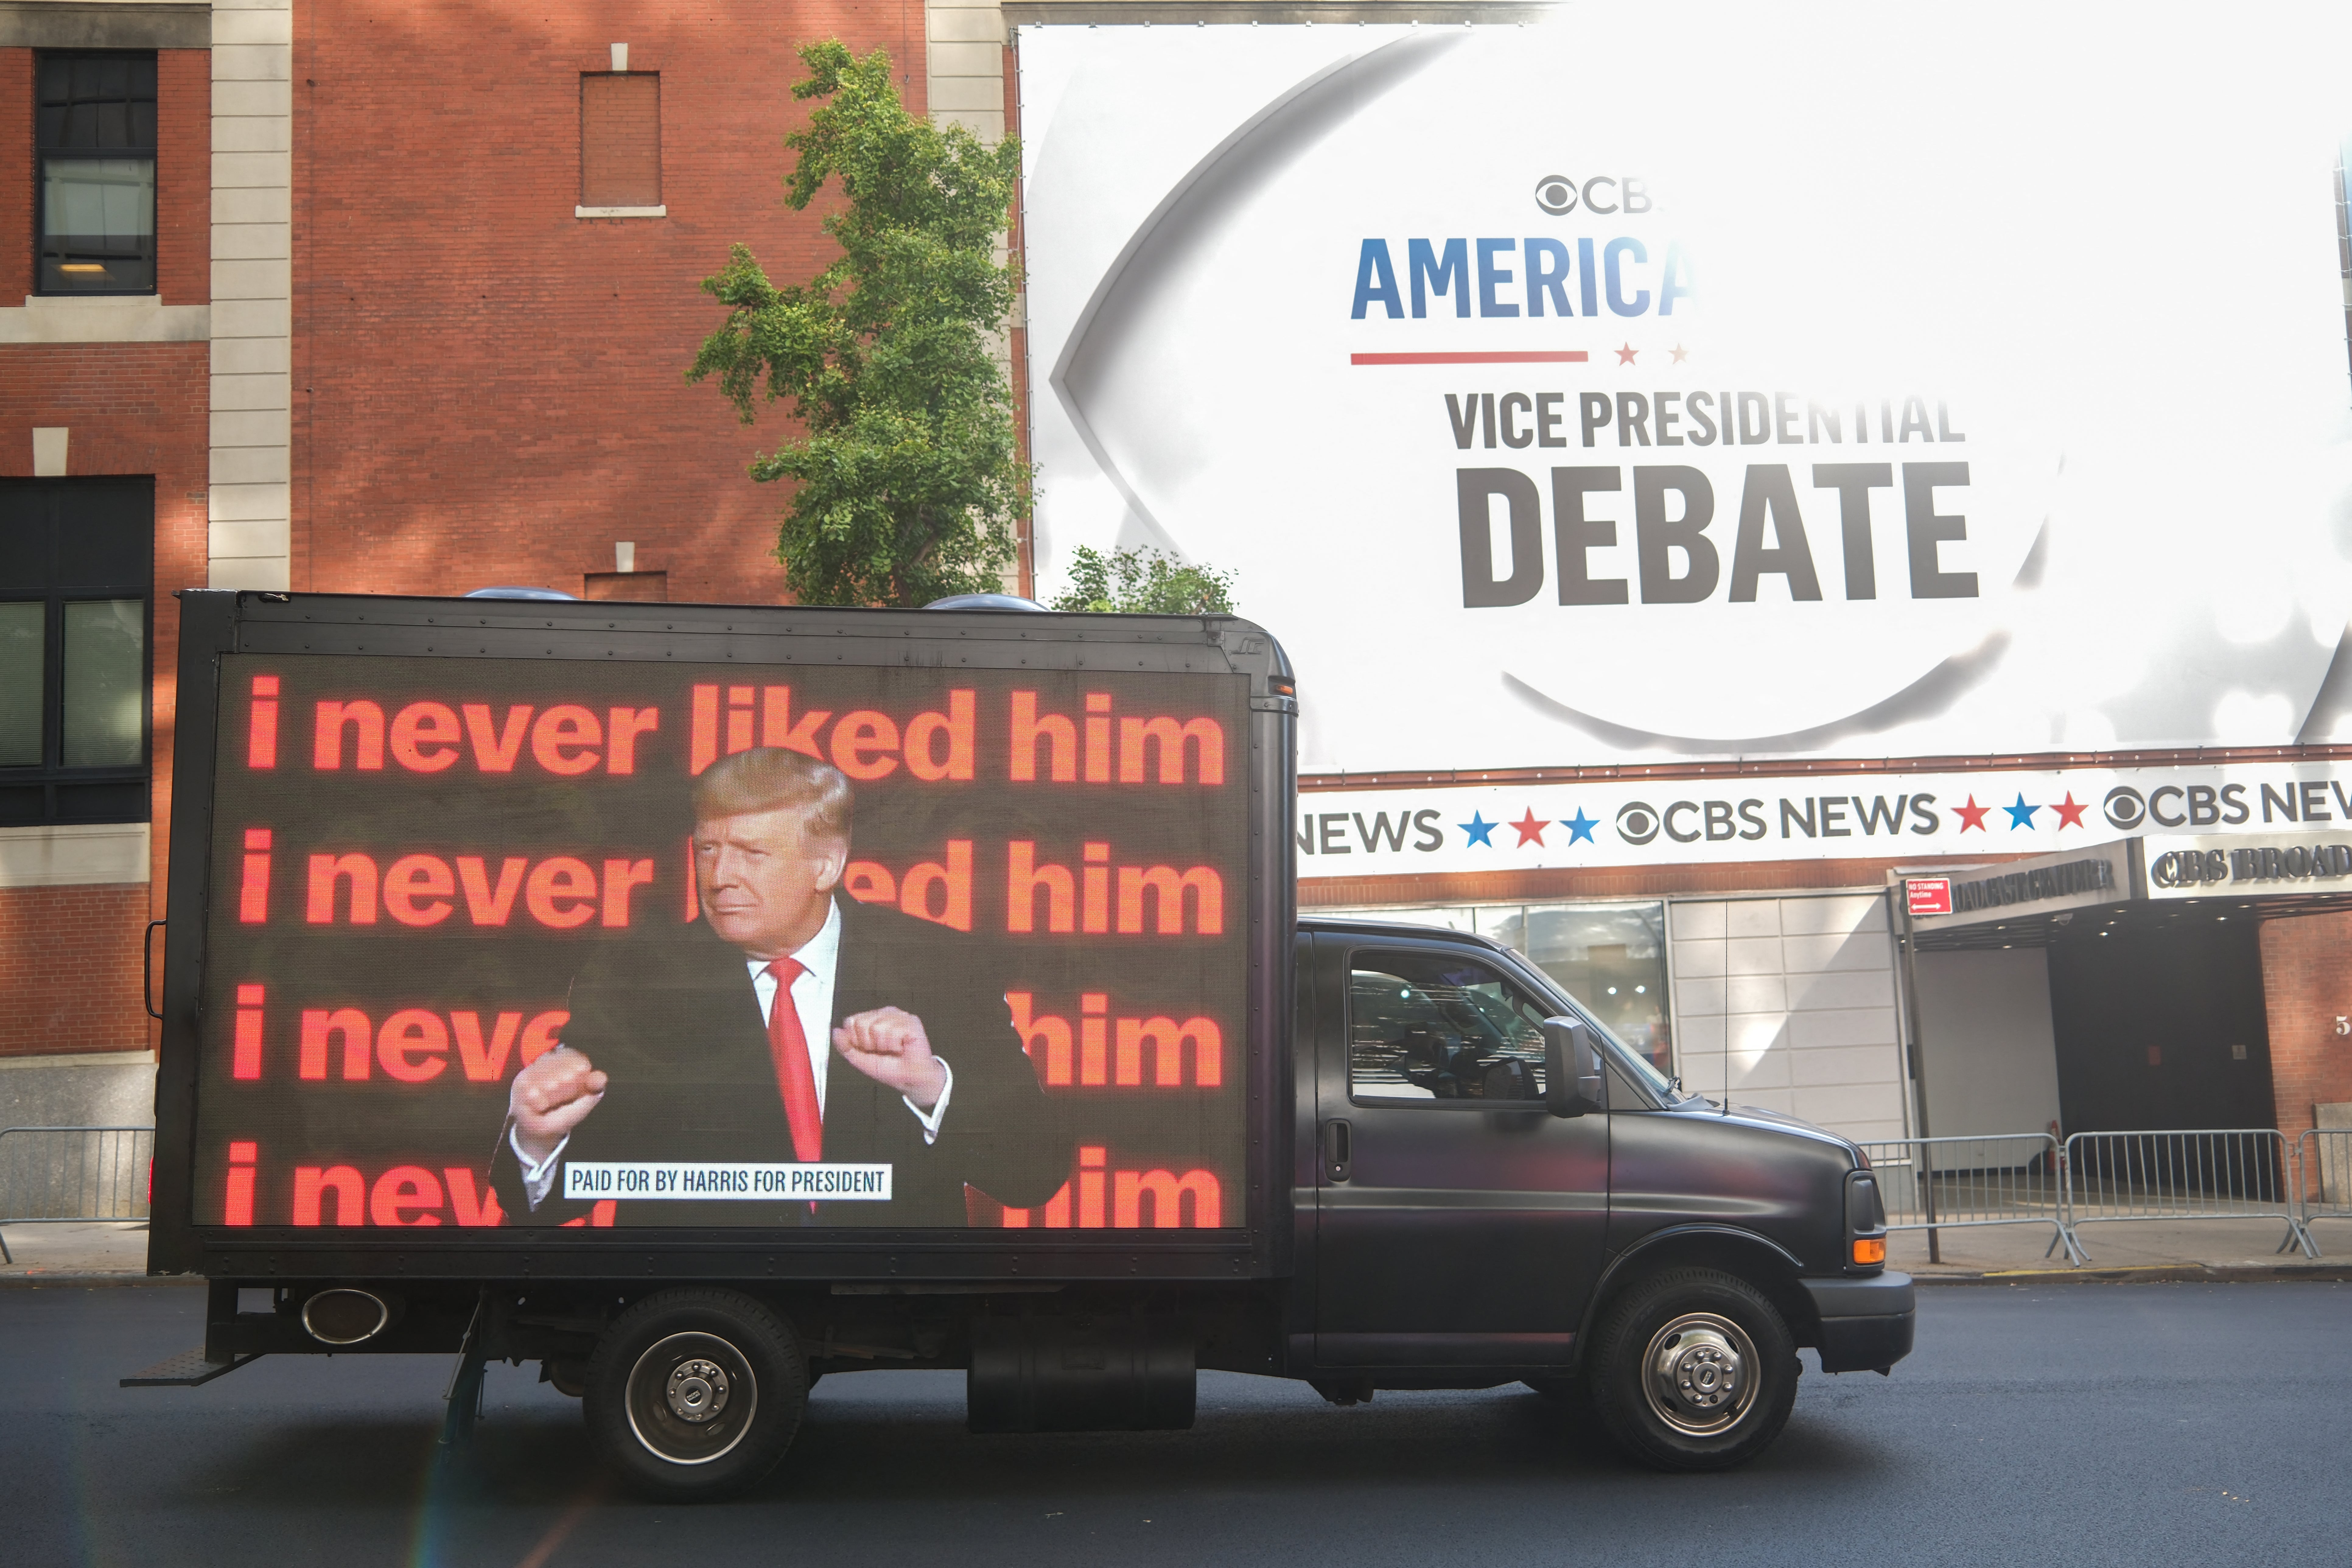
[106, 683]
[22, 636]
[76, 565]
[1611, 957]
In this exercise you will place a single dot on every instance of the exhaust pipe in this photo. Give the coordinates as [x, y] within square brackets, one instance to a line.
[344, 1316]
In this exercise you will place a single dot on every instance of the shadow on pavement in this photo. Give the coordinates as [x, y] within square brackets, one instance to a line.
[899, 1439]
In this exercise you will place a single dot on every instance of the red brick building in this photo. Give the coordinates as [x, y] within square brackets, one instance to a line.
[104, 452]
[487, 387]
[365, 296]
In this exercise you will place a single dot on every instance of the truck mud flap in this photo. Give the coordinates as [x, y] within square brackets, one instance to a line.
[1866, 1323]
[1866, 1344]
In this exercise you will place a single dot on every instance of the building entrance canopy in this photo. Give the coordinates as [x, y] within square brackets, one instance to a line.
[2151, 882]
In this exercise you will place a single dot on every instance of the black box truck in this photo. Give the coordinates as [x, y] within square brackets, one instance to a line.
[697, 1001]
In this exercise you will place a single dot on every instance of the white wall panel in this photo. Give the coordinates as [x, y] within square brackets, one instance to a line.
[1790, 1003]
[1991, 1061]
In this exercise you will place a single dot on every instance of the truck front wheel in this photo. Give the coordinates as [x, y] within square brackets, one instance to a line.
[695, 1394]
[1694, 1370]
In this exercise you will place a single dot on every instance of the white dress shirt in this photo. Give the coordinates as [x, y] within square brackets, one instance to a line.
[819, 961]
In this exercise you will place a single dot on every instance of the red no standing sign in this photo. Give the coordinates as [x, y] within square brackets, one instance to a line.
[1929, 895]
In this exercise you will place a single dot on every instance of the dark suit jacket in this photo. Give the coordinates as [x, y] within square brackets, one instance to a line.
[675, 1024]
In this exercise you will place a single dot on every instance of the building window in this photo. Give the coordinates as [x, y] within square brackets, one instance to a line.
[620, 143]
[76, 558]
[95, 134]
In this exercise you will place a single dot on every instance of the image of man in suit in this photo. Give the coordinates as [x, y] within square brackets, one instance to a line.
[788, 1023]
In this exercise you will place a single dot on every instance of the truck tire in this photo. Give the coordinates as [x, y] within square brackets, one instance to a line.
[695, 1394]
[1693, 1370]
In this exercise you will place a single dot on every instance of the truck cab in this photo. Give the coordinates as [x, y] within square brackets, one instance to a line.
[1491, 1187]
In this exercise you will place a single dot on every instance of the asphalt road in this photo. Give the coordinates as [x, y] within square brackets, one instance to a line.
[2082, 1424]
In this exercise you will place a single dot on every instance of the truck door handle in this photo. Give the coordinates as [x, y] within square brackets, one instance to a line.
[147, 955]
[1338, 1148]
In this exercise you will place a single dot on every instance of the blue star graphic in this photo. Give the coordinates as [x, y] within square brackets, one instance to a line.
[2021, 815]
[1477, 827]
[1579, 826]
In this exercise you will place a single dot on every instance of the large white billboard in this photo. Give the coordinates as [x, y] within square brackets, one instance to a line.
[1751, 382]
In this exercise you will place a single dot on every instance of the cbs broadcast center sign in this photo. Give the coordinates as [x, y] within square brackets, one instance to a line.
[1833, 383]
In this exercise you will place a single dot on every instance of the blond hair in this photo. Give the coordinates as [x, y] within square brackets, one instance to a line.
[769, 778]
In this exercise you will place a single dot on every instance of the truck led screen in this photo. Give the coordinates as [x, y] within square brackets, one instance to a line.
[500, 943]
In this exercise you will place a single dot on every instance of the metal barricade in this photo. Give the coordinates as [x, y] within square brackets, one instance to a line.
[2225, 1173]
[1941, 1184]
[60, 1175]
[2322, 1158]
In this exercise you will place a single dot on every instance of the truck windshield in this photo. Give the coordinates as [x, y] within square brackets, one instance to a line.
[1639, 1065]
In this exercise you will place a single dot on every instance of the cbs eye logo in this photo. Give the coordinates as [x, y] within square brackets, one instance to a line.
[2125, 808]
[1604, 193]
[1637, 822]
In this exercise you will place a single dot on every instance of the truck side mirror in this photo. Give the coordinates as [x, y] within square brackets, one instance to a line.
[1573, 1084]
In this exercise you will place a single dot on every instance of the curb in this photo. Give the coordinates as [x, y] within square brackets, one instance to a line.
[2156, 1274]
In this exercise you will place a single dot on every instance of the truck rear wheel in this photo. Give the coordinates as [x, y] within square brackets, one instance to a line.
[695, 1394]
[1694, 1370]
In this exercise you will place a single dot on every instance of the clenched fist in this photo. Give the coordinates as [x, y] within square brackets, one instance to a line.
[889, 1046]
[549, 1098]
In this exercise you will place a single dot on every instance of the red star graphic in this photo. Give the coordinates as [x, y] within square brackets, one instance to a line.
[1625, 356]
[1972, 815]
[2069, 814]
[1681, 354]
[1531, 830]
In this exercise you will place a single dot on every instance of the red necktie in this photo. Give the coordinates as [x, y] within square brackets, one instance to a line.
[795, 1080]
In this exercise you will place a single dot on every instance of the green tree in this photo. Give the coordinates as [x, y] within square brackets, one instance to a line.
[908, 483]
[1145, 581]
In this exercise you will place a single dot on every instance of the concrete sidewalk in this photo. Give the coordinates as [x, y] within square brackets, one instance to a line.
[2210, 1248]
[106, 1250]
